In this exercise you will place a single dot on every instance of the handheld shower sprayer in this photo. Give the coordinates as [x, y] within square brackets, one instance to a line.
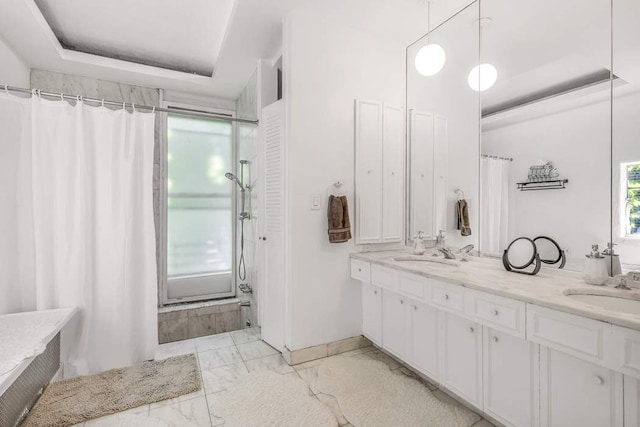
[242, 271]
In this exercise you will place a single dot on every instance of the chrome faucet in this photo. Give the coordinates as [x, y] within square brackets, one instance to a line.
[623, 284]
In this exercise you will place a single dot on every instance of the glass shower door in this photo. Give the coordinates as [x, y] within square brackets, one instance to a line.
[199, 209]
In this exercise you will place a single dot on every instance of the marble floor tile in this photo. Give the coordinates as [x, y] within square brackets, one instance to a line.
[178, 399]
[218, 379]
[193, 412]
[213, 401]
[409, 373]
[332, 403]
[112, 419]
[213, 342]
[357, 351]
[256, 350]
[275, 363]
[212, 359]
[244, 336]
[176, 348]
[310, 376]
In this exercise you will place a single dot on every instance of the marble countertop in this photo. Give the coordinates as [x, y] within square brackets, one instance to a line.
[546, 289]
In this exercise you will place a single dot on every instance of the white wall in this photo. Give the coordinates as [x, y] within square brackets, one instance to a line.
[577, 141]
[326, 67]
[13, 71]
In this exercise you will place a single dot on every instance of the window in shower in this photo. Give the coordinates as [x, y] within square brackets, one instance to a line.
[199, 209]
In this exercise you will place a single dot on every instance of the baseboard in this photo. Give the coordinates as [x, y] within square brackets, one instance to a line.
[295, 357]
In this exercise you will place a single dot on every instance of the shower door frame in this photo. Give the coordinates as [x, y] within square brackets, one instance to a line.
[161, 245]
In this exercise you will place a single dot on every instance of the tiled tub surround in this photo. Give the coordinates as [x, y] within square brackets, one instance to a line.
[185, 321]
[512, 346]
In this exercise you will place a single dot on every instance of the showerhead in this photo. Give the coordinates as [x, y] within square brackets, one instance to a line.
[235, 179]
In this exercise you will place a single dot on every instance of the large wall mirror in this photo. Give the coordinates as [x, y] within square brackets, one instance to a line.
[543, 141]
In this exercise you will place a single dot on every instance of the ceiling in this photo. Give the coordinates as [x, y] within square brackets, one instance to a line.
[204, 47]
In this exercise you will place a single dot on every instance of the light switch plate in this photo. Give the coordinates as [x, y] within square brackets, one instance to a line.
[316, 199]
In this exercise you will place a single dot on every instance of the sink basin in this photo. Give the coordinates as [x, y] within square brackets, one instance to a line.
[427, 259]
[611, 300]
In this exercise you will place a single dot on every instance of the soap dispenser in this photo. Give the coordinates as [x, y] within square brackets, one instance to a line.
[614, 266]
[418, 244]
[595, 268]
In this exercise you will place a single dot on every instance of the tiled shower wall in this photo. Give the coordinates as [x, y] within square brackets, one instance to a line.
[247, 139]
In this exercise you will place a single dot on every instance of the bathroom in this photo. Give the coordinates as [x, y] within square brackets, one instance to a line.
[350, 212]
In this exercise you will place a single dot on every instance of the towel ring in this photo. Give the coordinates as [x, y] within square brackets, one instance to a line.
[458, 192]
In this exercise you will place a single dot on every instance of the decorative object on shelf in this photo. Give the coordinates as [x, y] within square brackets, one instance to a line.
[418, 244]
[550, 251]
[522, 257]
[543, 176]
[595, 268]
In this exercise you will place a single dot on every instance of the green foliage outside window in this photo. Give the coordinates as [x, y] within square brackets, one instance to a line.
[633, 199]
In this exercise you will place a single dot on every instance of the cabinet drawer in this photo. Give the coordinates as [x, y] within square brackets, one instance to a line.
[384, 276]
[361, 270]
[413, 285]
[584, 338]
[499, 313]
[447, 297]
[625, 351]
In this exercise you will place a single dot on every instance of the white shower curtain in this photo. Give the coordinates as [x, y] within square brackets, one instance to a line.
[84, 233]
[494, 209]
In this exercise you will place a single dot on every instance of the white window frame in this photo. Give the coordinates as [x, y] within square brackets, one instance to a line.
[163, 285]
[624, 221]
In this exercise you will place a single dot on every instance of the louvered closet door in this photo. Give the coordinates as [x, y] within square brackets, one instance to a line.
[392, 171]
[273, 270]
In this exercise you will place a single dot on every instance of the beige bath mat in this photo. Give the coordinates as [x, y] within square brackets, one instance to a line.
[371, 395]
[263, 399]
[80, 399]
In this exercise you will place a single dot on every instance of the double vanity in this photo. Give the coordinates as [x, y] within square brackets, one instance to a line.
[545, 350]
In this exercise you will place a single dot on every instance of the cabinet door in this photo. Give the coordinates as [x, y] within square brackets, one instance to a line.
[395, 323]
[372, 312]
[421, 184]
[631, 401]
[510, 378]
[461, 361]
[368, 171]
[574, 392]
[393, 173]
[423, 343]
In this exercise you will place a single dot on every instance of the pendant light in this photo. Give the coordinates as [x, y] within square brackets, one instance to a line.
[430, 58]
[482, 77]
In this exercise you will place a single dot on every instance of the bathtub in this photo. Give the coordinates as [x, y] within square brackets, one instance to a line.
[29, 358]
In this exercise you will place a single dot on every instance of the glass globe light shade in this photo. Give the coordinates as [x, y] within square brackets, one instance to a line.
[430, 59]
[482, 77]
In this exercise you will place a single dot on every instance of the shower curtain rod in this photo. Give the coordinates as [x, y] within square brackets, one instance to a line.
[179, 111]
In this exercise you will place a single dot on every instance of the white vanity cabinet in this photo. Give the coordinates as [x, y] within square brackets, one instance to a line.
[510, 366]
[379, 179]
[574, 392]
[396, 323]
[424, 341]
[461, 357]
[519, 363]
[372, 312]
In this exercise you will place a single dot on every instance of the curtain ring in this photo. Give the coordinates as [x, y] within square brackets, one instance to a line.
[124, 106]
[61, 96]
[133, 106]
[102, 102]
[39, 93]
[6, 89]
[153, 110]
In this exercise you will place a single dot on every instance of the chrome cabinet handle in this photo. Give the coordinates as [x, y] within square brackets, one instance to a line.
[495, 339]
[446, 296]
[471, 329]
[597, 380]
[375, 292]
[401, 301]
[415, 307]
[496, 312]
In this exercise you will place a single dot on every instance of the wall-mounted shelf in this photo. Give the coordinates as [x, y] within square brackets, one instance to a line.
[542, 185]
